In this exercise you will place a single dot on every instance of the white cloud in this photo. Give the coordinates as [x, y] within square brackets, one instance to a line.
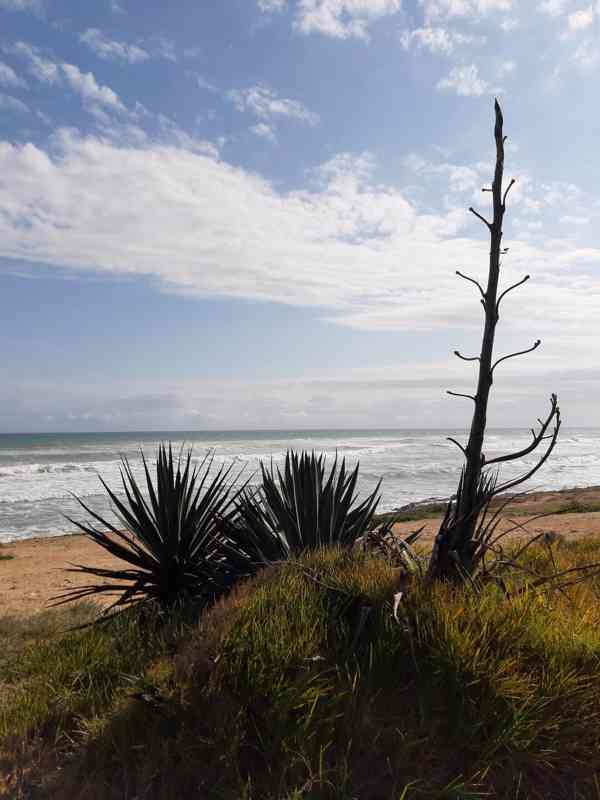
[264, 103]
[553, 8]
[96, 98]
[570, 220]
[460, 177]
[587, 55]
[91, 92]
[445, 9]
[465, 81]
[21, 5]
[228, 232]
[8, 103]
[509, 24]
[163, 48]
[437, 40]
[345, 171]
[506, 68]
[403, 395]
[8, 77]
[201, 226]
[40, 67]
[582, 19]
[111, 49]
[201, 82]
[264, 131]
[342, 19]
[108, 49]
[271, 6]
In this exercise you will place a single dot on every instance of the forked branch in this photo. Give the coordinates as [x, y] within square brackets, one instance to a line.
[510, 288]
[538, 437]
[518, 353]
[483, 219]
[472, 280]
[554, 436]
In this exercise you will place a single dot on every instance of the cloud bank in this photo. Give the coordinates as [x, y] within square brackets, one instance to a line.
[360, 251]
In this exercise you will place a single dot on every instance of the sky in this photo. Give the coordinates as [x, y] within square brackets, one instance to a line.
[249, 214]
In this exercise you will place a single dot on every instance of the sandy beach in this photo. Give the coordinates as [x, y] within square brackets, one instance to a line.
[34, 571]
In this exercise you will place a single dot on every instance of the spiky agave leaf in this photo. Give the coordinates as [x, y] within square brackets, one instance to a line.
[246, 544]
[303, 508]
[446, 543]
[166, 540]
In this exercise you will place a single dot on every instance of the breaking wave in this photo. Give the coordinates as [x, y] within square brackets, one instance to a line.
[39, 476]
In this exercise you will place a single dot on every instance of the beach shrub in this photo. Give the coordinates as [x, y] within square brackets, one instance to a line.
[302, 508]
[167, 541]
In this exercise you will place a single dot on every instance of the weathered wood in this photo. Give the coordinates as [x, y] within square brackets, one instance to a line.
[456, 545]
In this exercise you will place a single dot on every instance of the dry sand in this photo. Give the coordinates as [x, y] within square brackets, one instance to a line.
[36, 571]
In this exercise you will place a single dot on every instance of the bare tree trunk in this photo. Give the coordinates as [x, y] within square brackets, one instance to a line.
[456, 542]
[474, 456]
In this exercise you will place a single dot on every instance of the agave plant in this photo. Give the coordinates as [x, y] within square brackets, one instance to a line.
[167, 540]
[300, 509]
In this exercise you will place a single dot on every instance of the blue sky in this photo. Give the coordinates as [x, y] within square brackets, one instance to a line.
[249, 213]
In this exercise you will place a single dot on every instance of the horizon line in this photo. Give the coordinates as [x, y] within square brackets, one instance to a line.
[270, 430]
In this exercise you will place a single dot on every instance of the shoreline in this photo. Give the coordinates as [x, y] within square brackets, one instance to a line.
[32, 570]
[520, 502]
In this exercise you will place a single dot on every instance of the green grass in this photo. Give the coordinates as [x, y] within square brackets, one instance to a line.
[435, 510]
[574, 507]
[302, 685]
[57, 683]
[432, 511]
[5, 556]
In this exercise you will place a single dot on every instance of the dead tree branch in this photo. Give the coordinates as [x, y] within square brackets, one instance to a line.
[504, 487]
[483, 219]
[518, 353]
[464, 358]
[508, 188]
[510, 288]
[458, 394]
[537, 437]
[472, 280]
[458, 444]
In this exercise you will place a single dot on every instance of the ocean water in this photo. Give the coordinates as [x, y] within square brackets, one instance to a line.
[41, 473]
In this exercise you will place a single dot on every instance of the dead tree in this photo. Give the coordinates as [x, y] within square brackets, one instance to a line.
[457, 544]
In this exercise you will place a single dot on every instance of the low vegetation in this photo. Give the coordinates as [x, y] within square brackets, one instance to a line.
[189, 535]
[164, 534]
[304, 684]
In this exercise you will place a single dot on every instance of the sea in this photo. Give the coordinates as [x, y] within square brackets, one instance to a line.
[44, 476]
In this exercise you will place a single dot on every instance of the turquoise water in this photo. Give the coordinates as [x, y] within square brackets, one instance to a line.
[40, 473]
